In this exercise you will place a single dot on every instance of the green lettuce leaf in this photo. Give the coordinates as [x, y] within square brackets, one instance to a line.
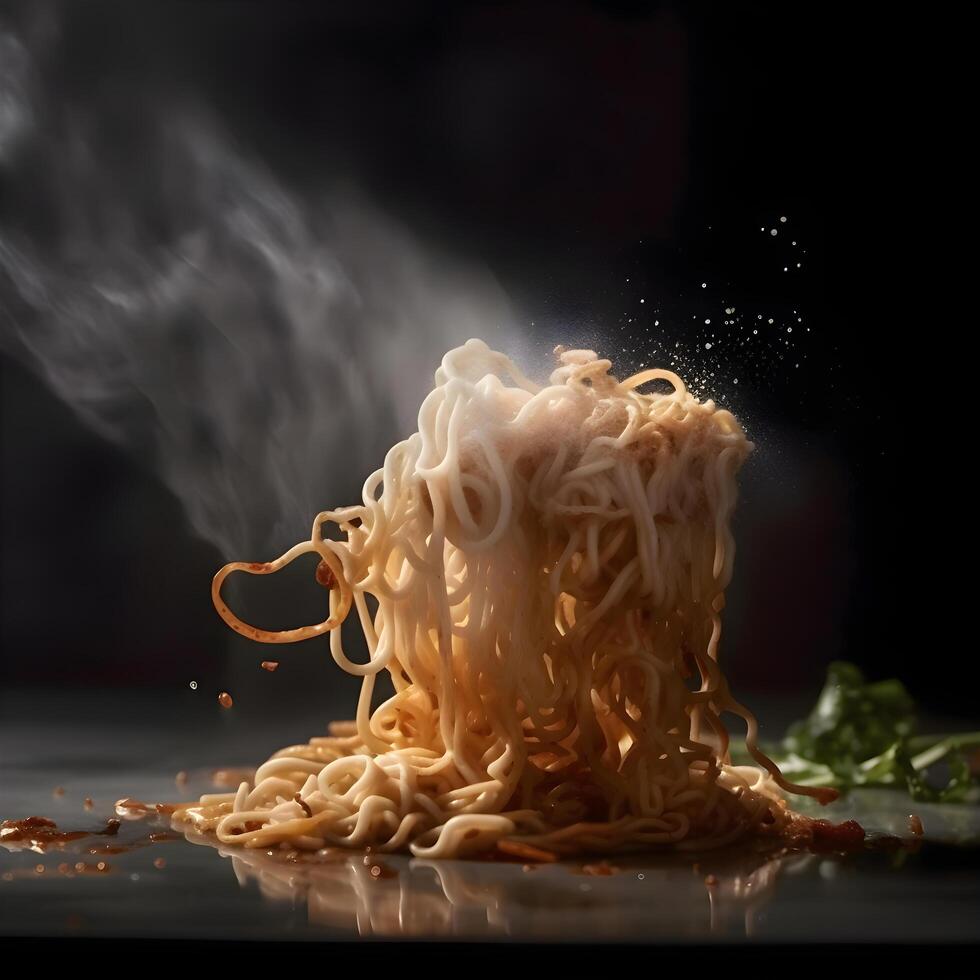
[863, 734]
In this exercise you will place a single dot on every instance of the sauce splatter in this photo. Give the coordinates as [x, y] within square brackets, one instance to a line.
[41, 834]
[225, 700]
[525, 852]
[837, 837]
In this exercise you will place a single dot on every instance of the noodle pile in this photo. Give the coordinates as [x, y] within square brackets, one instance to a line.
[548, 568]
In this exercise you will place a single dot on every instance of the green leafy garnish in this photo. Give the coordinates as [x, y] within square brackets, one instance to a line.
[863, 734]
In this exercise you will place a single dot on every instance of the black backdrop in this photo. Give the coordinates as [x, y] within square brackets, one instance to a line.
[589, 154]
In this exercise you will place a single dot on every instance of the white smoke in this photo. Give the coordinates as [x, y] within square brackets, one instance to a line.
[259, 348]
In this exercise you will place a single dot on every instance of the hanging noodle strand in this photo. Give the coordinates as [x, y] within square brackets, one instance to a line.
[549, 567]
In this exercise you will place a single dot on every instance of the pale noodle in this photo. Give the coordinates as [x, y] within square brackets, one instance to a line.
[549, 566]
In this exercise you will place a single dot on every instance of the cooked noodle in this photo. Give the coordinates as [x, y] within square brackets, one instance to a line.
[549, 566]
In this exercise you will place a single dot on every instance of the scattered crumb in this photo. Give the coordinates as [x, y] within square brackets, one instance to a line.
[88, 804]
[270, 665]
[915, 824]
[231, 778]
[181, 778]
[58, 791]
[711, 881]
[224, 699]
[132, 809]
[159, 864]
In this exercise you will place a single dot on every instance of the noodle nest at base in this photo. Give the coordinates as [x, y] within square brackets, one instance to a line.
[547, 566]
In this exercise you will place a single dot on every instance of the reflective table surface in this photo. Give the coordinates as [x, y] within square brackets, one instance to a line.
[147, 881]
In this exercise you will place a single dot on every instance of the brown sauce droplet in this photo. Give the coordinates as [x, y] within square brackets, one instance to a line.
[100, 868]
[380, 871]
[602, 869]
[159, 864]
[270, 665]
[225, 700]
[247, 828]
[325, 575]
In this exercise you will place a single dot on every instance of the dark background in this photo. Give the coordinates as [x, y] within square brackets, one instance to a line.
[589, 154]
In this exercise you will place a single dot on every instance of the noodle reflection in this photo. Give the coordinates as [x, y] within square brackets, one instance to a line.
[476, 899]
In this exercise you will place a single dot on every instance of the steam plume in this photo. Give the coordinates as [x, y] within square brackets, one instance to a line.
[260, 348]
